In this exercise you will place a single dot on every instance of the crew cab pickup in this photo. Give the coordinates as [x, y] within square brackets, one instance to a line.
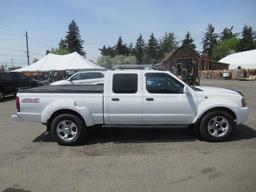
[132, 98]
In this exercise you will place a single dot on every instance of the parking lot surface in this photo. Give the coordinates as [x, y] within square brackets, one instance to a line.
[128, 159]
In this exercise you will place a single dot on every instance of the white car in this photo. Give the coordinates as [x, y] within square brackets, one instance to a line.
[83, 78]
[132, 98]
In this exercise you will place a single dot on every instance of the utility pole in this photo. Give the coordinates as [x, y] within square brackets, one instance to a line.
[27, 47]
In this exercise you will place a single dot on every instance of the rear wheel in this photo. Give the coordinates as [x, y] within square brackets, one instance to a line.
[68, 129]
[216, 126]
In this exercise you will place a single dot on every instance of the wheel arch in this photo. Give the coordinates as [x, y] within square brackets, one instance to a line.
[226, 109]
[63, 111]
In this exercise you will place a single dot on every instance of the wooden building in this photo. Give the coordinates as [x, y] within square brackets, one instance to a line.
[183, 62]
[186, 62]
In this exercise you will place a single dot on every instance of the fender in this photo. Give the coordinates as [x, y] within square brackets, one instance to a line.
[66, 104]
[214, 103]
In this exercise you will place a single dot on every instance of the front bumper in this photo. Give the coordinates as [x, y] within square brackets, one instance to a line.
[242, 114]
[16, 118]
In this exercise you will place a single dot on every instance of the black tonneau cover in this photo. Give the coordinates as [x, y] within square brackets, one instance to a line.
[65, 89]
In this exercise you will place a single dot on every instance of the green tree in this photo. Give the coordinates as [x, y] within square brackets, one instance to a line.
[153, 48]
[121, 48]
[63, 44]
[73, 39]
[167, 44]
[247, 40]
[60, 51]
[189, 41]
[131, 49]
[104, 51]
[140, 49]
[225, 48]
[108, 51]
[209, 40]
[227, 34]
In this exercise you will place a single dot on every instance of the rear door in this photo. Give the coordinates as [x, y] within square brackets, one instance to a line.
[164, 101]
[124, 99]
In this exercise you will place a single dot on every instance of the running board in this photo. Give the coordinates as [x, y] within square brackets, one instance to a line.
[146, 126]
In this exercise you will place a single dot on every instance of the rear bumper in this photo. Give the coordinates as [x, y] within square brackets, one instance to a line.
[242, 114]
[16, 118]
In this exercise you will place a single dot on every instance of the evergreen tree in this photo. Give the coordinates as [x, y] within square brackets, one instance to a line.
[167, 44]
[107, 51]
[73, 39]
[131, 49]
[227, 34]
[104, 51]
[189, 41]
[247, 40]
[153, 50]
[140, 49]
[121, 48]
[209, 40]
[63, 44]
[47, 52]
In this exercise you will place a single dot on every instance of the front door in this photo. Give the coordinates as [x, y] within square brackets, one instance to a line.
[124, 100]
[164, 101]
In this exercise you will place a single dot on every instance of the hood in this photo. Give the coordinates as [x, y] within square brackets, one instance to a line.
[216, 90]
[62, 82]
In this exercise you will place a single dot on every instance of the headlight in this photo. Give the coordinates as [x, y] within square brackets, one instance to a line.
[243, 102]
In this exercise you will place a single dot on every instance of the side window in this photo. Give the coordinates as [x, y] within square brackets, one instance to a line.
[163, 83]
[125, 83]
[75, 77]
[99, 75]
[93, 75]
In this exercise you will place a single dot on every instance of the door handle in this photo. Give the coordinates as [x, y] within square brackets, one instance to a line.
[150, 99]
[115, 99]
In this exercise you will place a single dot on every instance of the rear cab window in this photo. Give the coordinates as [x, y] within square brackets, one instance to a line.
[125, 83]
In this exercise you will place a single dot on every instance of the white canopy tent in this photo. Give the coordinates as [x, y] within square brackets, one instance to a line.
[245, 59]
[52, 62]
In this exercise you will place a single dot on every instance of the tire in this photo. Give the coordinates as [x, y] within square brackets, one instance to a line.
[68, 129]
[216, 126]
[196, 130]
[1, 95]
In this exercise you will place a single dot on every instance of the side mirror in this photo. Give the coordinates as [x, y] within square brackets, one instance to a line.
[186, 90]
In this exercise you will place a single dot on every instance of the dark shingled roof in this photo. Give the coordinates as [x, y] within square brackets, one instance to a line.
[182, 46]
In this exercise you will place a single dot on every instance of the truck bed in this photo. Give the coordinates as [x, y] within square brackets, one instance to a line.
[65, 89]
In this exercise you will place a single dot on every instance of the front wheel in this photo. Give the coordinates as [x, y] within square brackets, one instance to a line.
[216, 126]
[68, 129]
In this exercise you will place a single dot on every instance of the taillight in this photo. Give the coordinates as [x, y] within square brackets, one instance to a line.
[243, 101]
[18, 104]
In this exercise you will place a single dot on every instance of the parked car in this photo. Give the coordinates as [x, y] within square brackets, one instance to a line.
[11, 82]
[132, 98]
[82, 78]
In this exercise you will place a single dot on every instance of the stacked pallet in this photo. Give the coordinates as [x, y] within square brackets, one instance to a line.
[232, 74]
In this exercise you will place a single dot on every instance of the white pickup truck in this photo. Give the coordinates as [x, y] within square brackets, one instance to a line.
[132, 98]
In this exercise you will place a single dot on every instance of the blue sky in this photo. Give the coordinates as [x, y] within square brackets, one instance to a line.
[102, 22]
